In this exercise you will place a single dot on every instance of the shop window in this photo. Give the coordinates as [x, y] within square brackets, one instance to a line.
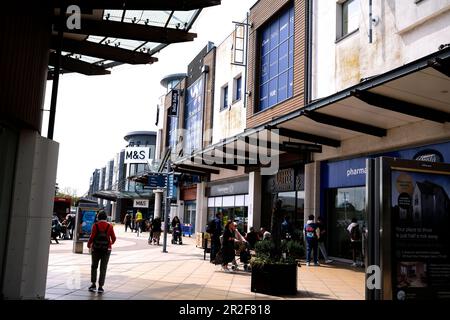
[348, 15]
[344, 204]
[277, 60]
[172, 132]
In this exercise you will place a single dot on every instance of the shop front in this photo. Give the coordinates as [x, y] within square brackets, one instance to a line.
[231, 200]
[289, 187]
[343, 191]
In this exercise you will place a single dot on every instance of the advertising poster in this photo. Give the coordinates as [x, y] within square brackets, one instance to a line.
[87, 220]
[421, 235]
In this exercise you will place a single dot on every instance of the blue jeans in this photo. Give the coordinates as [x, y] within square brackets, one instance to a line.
[311, 245]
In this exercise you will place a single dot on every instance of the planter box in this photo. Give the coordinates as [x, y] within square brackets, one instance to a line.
[275, 279]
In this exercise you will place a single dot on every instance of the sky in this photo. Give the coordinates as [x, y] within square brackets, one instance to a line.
[95, 112]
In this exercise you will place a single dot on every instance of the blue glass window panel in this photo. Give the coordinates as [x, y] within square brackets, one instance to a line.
[274, 35]
[291, 52]
[283, 61]
[282, 86]
[194, 104]
[264, 69]
[238, 88]
[273, 92]
[291, 21]
[290, 82]
[273, 67]
[264, 97]
[265, 44]
[284, 26]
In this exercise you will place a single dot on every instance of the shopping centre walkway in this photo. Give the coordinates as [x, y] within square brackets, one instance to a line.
[138, 271]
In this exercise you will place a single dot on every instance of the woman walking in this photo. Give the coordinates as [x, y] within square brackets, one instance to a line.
[228, 245]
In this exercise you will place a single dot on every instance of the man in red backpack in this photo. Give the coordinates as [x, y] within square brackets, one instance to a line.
[101, 239]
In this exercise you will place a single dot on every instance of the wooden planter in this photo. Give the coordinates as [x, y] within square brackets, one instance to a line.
[275, 279]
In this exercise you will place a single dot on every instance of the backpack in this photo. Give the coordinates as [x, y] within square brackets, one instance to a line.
[101, 240]
[211, 227]
[310, 231]
[355, 234]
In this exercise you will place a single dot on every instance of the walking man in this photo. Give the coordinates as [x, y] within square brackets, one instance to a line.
[215, 230]
[101, 239]
[355, 240]
[127, 221]
[138, 221]
[312, 236]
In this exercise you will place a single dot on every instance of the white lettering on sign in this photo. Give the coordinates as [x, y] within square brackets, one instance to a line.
[356, 172]
[137, 155]
[140, 203]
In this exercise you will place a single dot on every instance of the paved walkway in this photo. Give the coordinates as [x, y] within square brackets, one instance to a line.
[139, 271]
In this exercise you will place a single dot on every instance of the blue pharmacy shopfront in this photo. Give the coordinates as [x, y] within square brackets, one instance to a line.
[343, 191]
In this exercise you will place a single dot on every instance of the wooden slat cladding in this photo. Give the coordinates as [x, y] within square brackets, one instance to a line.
[24, 43]
[263, 11]
[188, 193]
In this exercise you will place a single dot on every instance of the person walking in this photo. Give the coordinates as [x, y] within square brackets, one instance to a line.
[214, 228]
[355, 240]
[228, 245]
[101, 240]
[156, 230]
[127, 221]
[138, 221]
[176, 231]
[322, 240]
[56, 228]
[311, 236]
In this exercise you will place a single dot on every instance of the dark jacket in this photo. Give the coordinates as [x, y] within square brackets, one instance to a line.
[218, 229]
[323, 232]
[228, 246]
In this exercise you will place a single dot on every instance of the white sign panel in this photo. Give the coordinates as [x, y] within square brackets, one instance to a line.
[141, 203]
[137, 155]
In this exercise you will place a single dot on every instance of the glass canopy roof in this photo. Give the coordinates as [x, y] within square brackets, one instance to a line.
[182, 20]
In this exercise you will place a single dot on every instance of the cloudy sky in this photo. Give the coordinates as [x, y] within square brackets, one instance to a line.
[94, 113]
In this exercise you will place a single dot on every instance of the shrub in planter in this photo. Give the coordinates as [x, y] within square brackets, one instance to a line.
[274, 270]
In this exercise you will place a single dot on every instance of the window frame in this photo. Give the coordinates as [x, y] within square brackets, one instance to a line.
[224, 97]
[340, 25]
[236, 88]
[262, 55]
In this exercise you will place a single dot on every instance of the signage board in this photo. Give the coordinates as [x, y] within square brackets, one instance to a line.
[141, 203]
[171, 187]
[156, 181]
[173, 110]
[413, 210]
[137, 155]
[85, 220]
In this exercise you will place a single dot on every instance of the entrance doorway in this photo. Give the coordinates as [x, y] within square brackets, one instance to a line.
[344, 204]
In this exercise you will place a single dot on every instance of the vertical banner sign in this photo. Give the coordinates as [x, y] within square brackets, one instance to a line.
[171, 187]
[173, 110]
[420, 217]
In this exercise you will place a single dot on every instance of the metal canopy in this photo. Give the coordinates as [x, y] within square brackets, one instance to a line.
[181, 5]
[116, 195]
[114, 32]
[419, 91]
